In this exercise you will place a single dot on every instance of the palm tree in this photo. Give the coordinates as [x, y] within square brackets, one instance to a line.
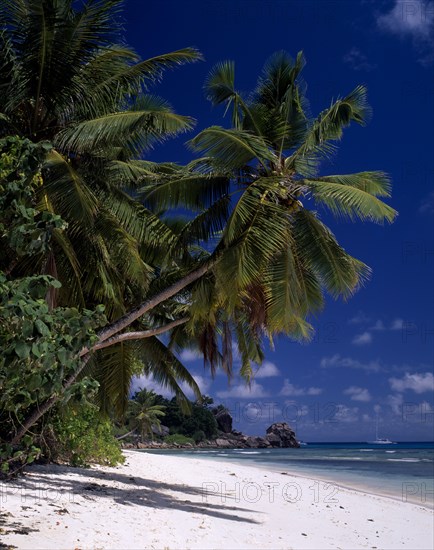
[274, 257]
[255, 259]
[144, 414]
[67, 78]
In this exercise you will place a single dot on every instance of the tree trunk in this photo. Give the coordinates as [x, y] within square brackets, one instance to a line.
[125, 435]
[134, 335]
[146, 306]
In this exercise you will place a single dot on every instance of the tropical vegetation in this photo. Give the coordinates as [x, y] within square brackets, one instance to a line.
[151, 416]
[95, 228]
[143, 416]
[67, 79]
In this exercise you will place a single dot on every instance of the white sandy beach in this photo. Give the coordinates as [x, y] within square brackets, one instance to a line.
[168, 502]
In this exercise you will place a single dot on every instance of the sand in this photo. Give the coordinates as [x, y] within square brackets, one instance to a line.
[168, 502]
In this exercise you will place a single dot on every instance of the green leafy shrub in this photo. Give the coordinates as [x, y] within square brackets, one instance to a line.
[81, 436]
[39, 352]
[178, 439]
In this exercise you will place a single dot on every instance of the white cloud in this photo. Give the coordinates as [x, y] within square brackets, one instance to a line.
[397, 324]
[395, 402]
[346, 414]
[419, 383]
[414, 20]
[379, 325]
[362, 339]
[358, 394]
[336, 361]
[147, 382]
[358, 60]
[359, 319]
[203, 382]
[267, 370]
[289, 389]
[188, 355]
[406, 18]
[314, 391]
[244, 391]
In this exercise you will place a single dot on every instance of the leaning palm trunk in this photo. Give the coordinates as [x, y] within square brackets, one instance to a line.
[131, 432]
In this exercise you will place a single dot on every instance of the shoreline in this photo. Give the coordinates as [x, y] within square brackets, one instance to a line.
[155, 501]
[317, 476]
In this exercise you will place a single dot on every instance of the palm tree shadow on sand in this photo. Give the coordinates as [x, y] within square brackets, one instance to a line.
[135, 490]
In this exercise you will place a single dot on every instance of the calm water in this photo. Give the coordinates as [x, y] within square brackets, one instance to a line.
[404, 470]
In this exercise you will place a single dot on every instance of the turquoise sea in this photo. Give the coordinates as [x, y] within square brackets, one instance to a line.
[403, 470]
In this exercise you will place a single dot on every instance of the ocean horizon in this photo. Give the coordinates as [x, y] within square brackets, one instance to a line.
[403, 470]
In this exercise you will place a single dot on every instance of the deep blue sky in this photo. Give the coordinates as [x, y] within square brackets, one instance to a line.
[373, 354]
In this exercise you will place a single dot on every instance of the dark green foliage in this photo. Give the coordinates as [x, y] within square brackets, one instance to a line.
[70, 83]
[24, 230]
[39, 352]
[199, 436]
[200, 419]
[39, 344]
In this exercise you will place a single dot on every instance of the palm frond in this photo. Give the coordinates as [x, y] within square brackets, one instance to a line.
[188, 190]
[279, 76]
[138, 128]
[346, 196]
[68, 190]
[135, 173]
[115, 368]
[256, 231]
[220, 82]
[292, 291]
[375, 183]
[166, 369]
[232, 148]
[249, 347]
[340, 273]
[150, 69]
[207, 225]
[328, 126]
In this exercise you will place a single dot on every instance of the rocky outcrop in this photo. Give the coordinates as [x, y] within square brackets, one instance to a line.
[257, 442]
[280, 434]
[223, 419]
[225, 443]
[160, 430]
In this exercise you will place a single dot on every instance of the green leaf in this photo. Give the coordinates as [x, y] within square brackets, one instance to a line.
[42, 328]
[22, 350]
[34, 382]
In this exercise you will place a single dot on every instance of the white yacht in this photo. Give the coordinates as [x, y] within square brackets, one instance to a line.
[380, 440]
